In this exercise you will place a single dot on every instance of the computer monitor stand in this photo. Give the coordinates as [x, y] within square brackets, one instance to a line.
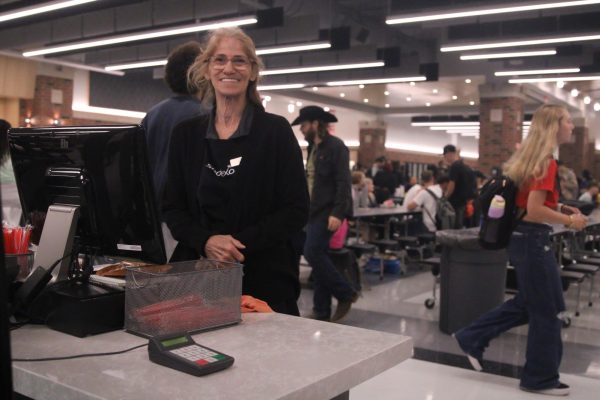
[56, 241]
[69, 305]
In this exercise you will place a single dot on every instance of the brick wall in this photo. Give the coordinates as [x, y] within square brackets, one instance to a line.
[497, 140]
[43, 111]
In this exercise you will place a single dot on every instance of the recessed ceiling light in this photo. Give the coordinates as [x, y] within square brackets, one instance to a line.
[467, 80]
[596, 106]
[412, 84]
[428, 104]
[514, 43]
[326, 109]
[574, 92]
[560, 84]
[268, 98]
[386, 93]
[342, 94]
[387, 105]
[454, 97]
[375, 81]
[464, 13]
[315, 89]
[512, 54]
[366, 100]
[435, 91]
[299, 103]
[291, 108]
[409, 98]
[587, 99]
[539, 71]
[471, 103]
[361, 86]
[142, 36]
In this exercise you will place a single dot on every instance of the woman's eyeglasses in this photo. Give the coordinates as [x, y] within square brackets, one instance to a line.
[238, 62]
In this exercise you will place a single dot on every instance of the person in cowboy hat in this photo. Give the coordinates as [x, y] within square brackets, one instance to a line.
[329, 186]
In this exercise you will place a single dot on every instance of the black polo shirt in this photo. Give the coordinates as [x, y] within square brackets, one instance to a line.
[224, 158]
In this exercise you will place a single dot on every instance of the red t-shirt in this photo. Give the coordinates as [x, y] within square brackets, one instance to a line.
[547, 183]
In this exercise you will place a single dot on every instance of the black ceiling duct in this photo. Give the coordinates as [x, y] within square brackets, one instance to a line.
[338, 37]
[269, 18]
[430, 70]
[390, 56]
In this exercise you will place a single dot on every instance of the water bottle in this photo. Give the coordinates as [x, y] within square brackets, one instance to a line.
[495, 213]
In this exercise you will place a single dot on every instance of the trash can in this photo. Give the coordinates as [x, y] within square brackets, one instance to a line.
[472, 279]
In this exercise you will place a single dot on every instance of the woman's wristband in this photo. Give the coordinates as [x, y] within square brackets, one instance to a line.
[570, 224]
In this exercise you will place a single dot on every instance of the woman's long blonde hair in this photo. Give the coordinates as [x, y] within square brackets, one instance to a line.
[199, 69]
[531, 160]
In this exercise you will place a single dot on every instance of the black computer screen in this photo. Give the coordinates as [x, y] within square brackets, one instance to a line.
[103, 170]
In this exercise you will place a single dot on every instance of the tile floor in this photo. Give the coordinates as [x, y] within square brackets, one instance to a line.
[396, 305]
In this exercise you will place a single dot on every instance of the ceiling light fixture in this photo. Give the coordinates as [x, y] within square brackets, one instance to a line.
[281, 87]
[428, 104]
[143, 36]
[422, 17]
[40, 9]
[532, 42]
[587, 100]
[387, 105]
[454, 97]
[467, 80]
[574, 92]
[596, 106]
[301, 70]
[447, 123]
[342, 94]
[539, 71]
[293, 48]
[143, 64]
[272, 50]
[462, 128]
[560, 79]
[375, 81]
[514, 54]
[108, 111]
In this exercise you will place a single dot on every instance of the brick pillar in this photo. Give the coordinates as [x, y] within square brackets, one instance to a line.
[52, 100]
[372, 142]
[500, 119]
[578, 154]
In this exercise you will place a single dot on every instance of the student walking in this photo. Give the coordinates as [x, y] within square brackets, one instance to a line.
[539, 301]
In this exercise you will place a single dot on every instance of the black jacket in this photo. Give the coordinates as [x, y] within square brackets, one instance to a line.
[269, 205]
[332, 188]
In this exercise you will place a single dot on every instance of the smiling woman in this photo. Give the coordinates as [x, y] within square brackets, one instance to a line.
[236, 189]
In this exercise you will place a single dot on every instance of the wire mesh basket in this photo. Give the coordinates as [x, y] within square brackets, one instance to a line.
[188, 296]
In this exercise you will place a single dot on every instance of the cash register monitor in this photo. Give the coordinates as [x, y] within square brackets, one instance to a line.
[91, 187]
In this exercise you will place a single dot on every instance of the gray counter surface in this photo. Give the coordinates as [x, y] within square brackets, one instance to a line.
[276, 357]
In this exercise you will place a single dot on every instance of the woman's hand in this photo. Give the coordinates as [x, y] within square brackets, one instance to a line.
[333, 223]
[224, 248]
[578, 221]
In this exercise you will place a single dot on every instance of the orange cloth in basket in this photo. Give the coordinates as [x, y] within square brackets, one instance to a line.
[250, 304]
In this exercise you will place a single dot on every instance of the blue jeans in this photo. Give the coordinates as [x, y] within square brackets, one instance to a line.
[327, 280]
[538, 302]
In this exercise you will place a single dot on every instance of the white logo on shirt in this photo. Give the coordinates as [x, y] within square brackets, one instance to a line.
[222, 173]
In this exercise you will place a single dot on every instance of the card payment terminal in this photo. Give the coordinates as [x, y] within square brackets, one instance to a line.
[180, 352]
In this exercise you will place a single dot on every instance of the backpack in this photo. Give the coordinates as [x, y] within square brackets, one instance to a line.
[445, 216]
[495, 233]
